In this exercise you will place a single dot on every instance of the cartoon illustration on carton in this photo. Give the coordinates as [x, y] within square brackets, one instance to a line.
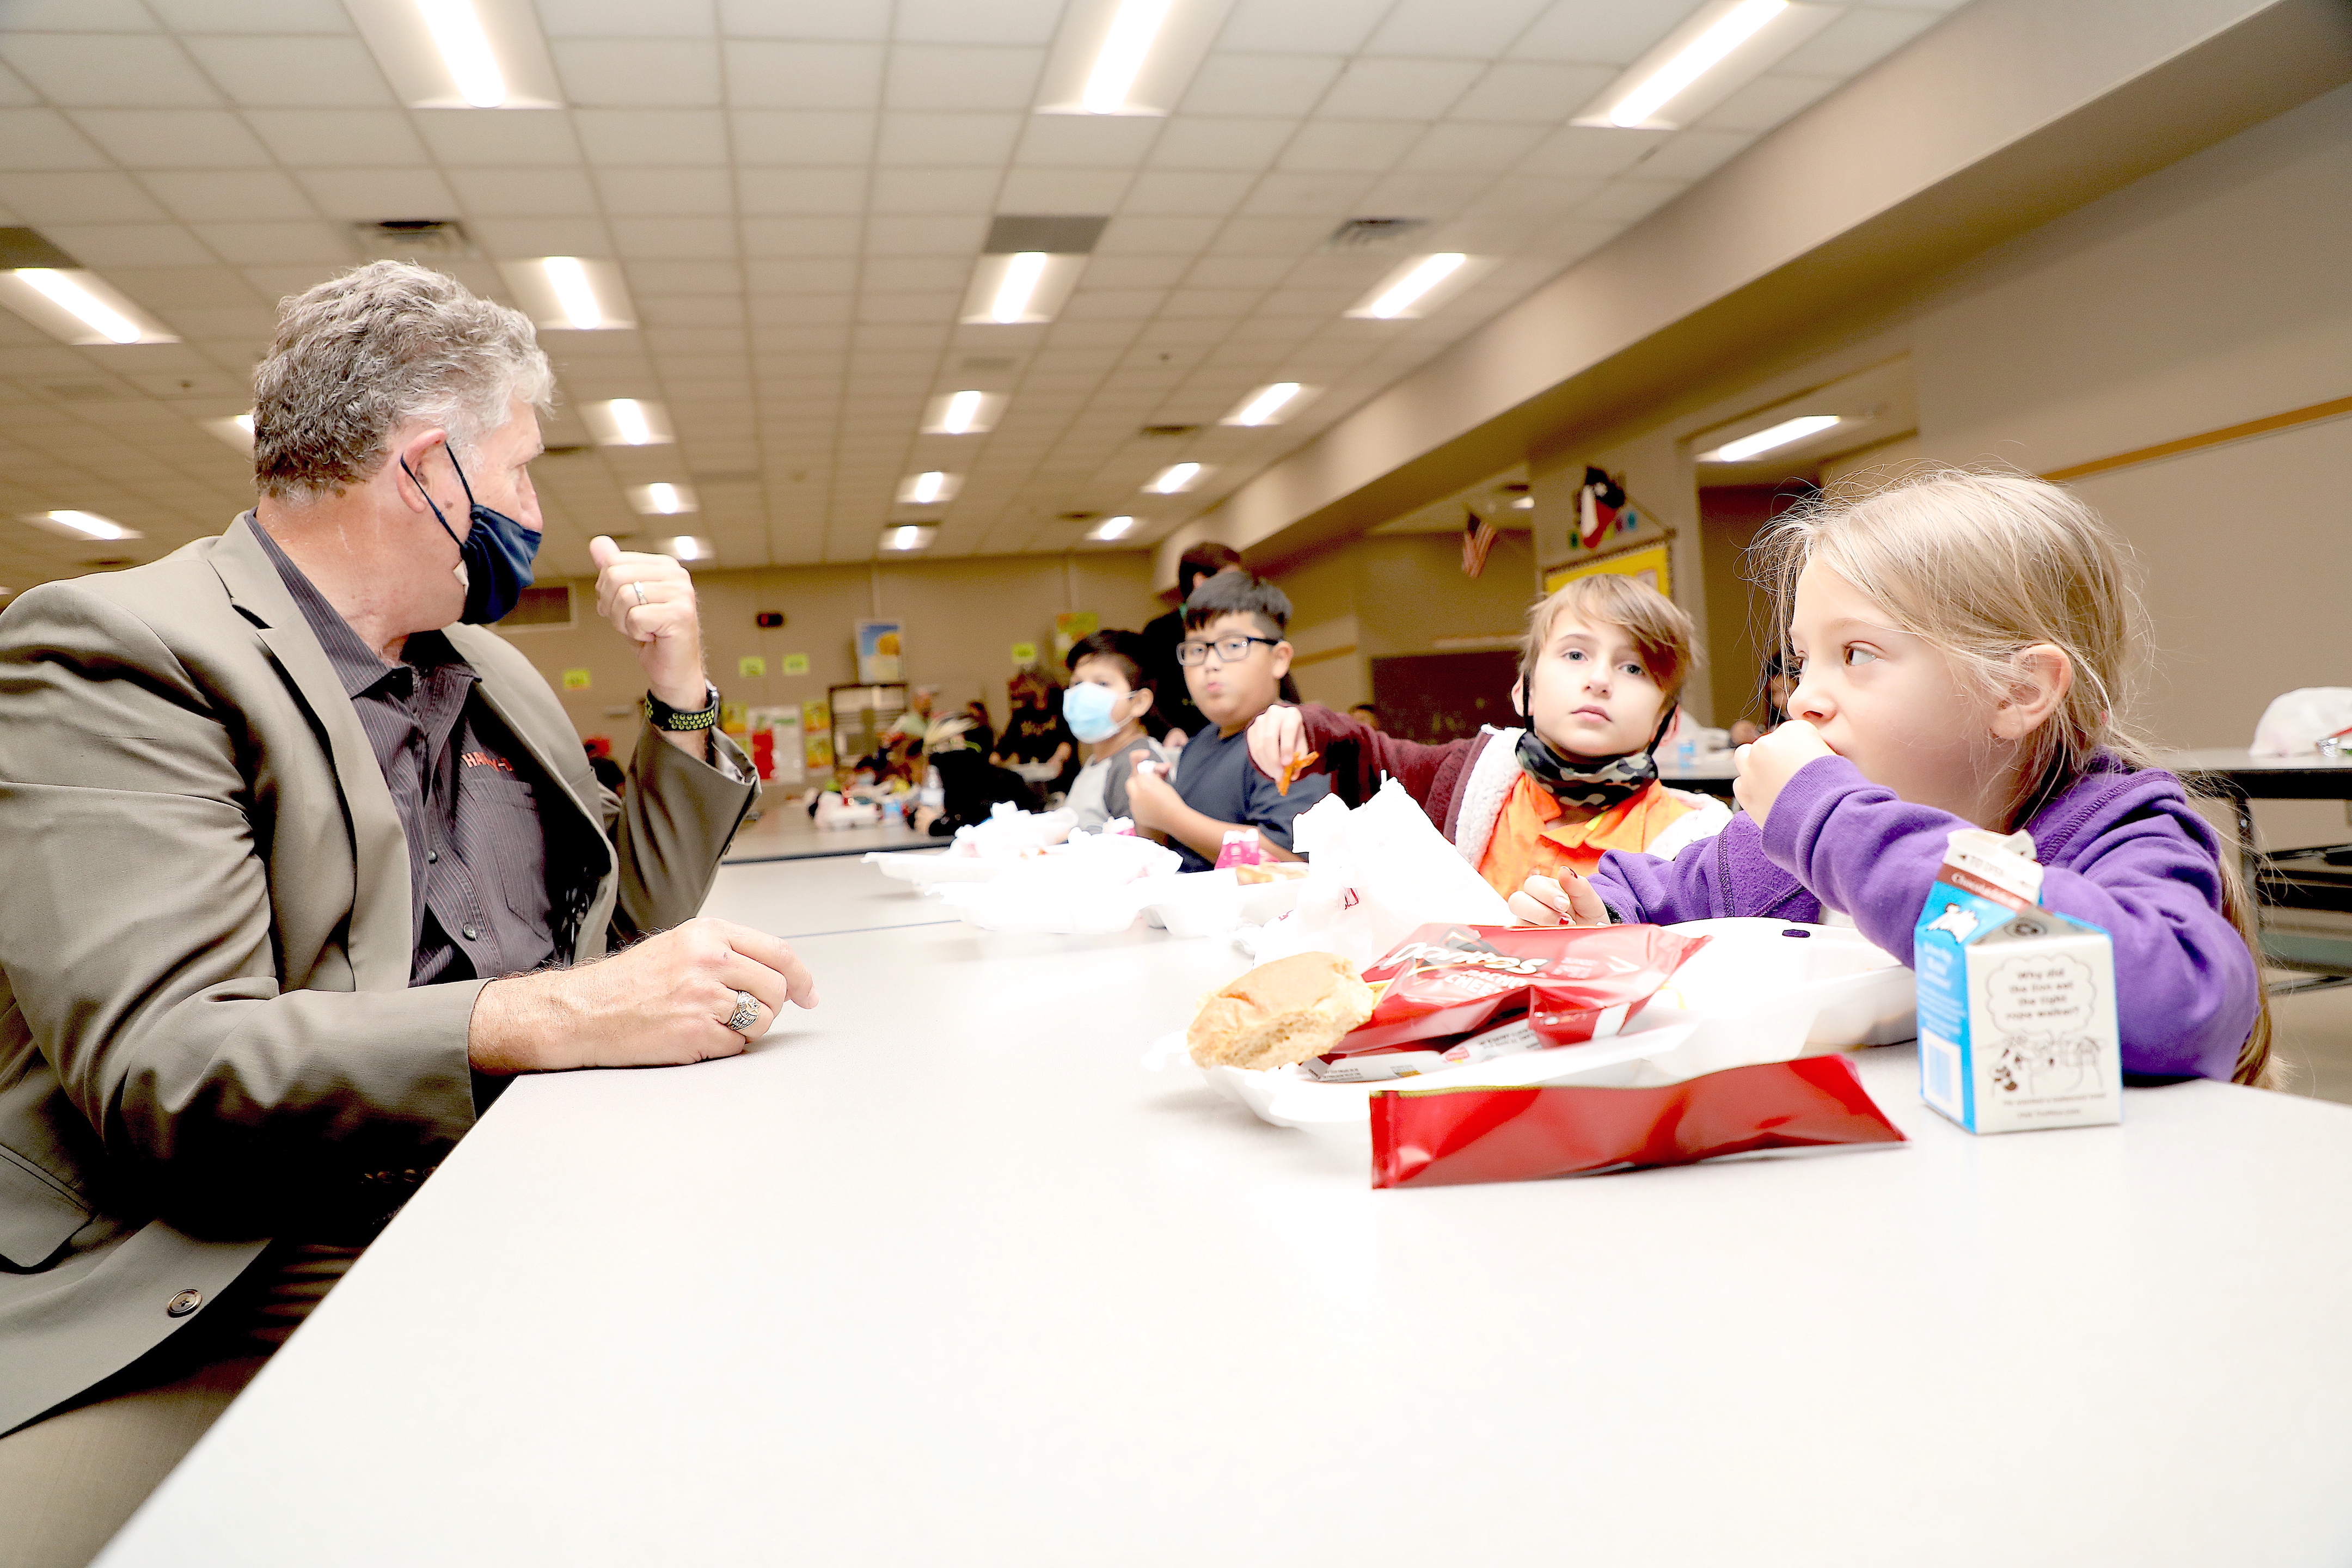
[1956, 920]
[2041, 1012]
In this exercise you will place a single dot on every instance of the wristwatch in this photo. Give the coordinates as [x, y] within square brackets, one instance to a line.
[662, 716]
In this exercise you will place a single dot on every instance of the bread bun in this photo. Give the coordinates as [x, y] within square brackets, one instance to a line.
[1280, 1012]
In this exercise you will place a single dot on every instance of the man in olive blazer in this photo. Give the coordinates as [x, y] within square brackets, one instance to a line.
[212, 1029]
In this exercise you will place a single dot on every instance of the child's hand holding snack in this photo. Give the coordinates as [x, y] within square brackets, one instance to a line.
[1278, 740]
[1152, 802]
[1767, 765]
[1550, 901]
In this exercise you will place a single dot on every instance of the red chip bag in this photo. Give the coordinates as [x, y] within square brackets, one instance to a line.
[1440, 1137]
[1574, 983]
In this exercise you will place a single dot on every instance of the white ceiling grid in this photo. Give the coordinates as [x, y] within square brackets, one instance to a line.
[797, 191]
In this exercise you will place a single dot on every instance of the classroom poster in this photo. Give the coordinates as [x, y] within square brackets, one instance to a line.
[1647, 562]
[880, 650]
[816, 735]
[1068, 627]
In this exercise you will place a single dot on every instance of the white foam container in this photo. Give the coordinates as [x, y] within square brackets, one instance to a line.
[1212, 903]
[925, 867]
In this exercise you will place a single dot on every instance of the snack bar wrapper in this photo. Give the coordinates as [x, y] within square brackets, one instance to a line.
[1566, 984]
[1432, 1138]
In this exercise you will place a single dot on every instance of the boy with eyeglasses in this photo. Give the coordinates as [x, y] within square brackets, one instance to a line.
[1233, 658]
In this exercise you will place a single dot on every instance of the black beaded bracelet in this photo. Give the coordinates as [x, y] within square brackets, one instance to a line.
[662, 716]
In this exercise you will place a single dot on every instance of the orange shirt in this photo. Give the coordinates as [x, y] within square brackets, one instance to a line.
[1530, 839]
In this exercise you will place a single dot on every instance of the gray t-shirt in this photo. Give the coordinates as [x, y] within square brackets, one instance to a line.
[1099, 792]
[1214, 775]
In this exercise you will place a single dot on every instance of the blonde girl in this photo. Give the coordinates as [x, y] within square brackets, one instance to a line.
[1965, 645]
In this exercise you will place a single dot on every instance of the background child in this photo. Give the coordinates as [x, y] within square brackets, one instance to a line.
[1963, 645]
[1604, 660]
[1234, 661]
[1106, 705]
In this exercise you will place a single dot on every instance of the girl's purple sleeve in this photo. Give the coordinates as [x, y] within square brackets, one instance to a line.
[2187, 987]
[1646, 890]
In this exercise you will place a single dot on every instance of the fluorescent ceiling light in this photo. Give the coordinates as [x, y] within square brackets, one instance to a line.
[84, 525]
[1175, 478]
[574, 291]
[1703, 54]
[932, 489]
[961, 414]
[66, 291]
[1769, 439]
[687, 547]
[629, 422]
[664, 499]
[1399, 297]
[1017, 287]
[1112, 527]
[1265, 405]
[465, 50]
[235, 431]
[1524, 503]
[907, 536]
[1132, 32]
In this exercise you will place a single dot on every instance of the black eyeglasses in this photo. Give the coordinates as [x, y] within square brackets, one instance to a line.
[1229, 650]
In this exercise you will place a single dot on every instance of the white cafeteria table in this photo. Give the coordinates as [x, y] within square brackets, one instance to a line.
[937, 1274]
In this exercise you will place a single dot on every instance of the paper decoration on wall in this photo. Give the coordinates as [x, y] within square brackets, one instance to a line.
[796, 664]
[1647, 562]
[1478, 537]
[751, 667]
[1602, 509]
[575, 680]
[816, 731]
[775, 744]
[1024, 653]
[1068, 627]
[731, 718]
[880, 647]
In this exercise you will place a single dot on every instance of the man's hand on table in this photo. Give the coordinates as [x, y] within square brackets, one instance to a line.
[650, 598]
[660, 1003]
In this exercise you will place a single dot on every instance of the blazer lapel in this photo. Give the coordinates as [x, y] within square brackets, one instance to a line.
[381, 930]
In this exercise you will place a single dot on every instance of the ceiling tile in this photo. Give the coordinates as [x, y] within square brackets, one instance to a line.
[79, 16]
[1533, 92]
[1398, 89]
[1765, 102]
[276, 282]
[1363, 146]
[779, 236]
[104, 70]
[669, 73]
[376, 193]
[676, 238]
[1856, 41]
[293, 72]
[1075, 193]
[251, 15]
[519, 236]
[43, 139]
[1088, 139]
[1198, 141]
[1288, 237]
[941, 141]
[621, 138]
[629, 19]
[817, 275]
[937, 76]
[1597, 32]
[786, 191]
[1422, 194]
[1302, 26]
[130, 245]
[864, 20]
[923, 191]
[961, 22]
[659, 193]
[1261, 84]
[523, 193]
[43, 198]
[1693, 154]
[1175, 192]
[1418, 28]
[806, 76]
[1471, 149]
[1141, 236]
[259, 243]
[927, 235]
[473, 138]
[315, 138]
[803, 136]
[1597, 152]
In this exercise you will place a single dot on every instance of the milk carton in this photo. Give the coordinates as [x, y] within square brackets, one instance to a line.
[2017, 1005]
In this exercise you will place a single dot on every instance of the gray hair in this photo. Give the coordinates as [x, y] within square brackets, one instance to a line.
[383, 346]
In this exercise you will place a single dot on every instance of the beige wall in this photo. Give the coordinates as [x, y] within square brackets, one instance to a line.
[1397, 593]
[962, 618]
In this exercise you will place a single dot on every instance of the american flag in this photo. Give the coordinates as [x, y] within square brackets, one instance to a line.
[1477, 540]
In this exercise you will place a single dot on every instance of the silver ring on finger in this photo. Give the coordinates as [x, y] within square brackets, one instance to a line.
[640, 589]
[746, 1014]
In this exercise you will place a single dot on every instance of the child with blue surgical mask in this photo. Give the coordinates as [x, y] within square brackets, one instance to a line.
[1105, 705]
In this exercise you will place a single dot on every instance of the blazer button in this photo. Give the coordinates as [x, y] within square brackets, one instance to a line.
[473, 932]
[181, 1305]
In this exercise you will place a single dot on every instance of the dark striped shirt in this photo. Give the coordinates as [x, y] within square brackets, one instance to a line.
[466, 791]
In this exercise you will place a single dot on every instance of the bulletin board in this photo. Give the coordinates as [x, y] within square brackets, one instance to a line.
[1649, 562]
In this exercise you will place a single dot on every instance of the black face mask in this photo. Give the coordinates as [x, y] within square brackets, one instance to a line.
[497, 553]
[1598, 782]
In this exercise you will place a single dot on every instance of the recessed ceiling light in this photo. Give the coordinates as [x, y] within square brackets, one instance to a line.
[931, 489]
[64, 290]
[1770, 438]
[570, 293]
[664, 499]
[73, 304]
[1112, 527]
[963, 414]
[627, 422]
[1121, 57]
[234, 431]
[1398, 296]
[83, 525]
[907, 537]
[1020, 288]
[1017, 286]
[1701, 55]
[1175, 478]
[687, 547]
[1267, 406]
[1523, 503]
[465, 50]
[574, 291]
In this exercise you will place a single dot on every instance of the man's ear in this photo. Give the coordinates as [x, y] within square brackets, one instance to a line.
[2039, 680]
[414, 453]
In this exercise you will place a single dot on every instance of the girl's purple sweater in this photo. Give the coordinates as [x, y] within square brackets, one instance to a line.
[2121, 849]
